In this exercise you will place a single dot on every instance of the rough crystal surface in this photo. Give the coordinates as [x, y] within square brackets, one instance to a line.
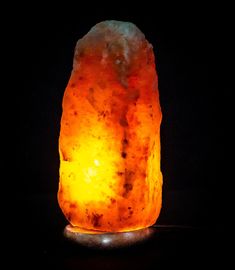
[109, 144]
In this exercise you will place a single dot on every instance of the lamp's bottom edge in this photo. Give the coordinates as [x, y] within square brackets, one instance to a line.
[103, 240]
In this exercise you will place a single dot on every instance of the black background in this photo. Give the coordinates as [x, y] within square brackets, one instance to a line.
[42, 43]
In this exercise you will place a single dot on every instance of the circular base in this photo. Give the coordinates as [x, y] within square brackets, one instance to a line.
[102, 240]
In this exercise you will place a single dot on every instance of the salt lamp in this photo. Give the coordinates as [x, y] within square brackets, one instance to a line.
[109, 143]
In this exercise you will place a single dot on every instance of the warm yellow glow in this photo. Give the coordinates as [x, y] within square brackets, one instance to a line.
[109, 145]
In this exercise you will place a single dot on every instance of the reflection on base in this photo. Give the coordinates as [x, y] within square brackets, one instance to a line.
[101, 240]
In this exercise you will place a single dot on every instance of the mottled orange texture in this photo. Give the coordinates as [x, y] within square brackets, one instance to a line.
[109, 144]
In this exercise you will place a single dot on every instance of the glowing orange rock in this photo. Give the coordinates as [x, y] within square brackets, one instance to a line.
[109, 145]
